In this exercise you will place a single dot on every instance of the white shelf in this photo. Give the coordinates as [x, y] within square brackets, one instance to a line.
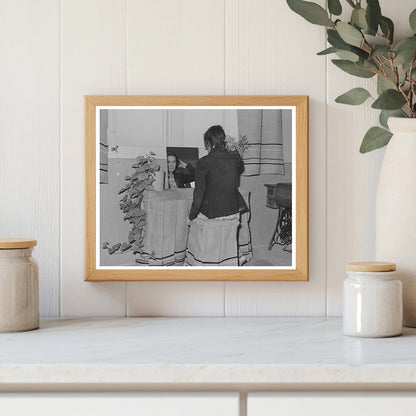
[294, 352]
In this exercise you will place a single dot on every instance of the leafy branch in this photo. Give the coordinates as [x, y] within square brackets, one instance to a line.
[131, 204]
[366, 48]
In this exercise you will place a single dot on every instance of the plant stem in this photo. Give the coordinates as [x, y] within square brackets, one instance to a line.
[412, 86]
[395, 71]
[397, 84]
[388, 34]
[408, 102]
[385, 75]
[366, 43]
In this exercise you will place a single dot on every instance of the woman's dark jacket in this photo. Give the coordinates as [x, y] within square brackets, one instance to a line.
[217, 179]
[183, 176]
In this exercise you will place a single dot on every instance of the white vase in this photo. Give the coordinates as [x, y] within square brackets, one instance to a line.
[396, 210]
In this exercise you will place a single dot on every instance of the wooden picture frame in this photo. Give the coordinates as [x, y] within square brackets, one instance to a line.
[94, 246]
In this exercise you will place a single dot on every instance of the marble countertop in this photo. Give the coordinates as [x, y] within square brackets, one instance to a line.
[204, 351]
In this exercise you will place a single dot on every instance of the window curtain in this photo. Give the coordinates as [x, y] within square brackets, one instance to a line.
[103, 147]
[264, 132]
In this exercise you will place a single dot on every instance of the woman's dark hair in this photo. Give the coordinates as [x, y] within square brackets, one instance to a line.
[176, 158]
[214, 137]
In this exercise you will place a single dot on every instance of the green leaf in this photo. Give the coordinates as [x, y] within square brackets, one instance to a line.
[375, 138]
[352, 68]
[389, 100]
[383, 84]
[405, 50]
[336, 41]
[386, 114]
[412, 20]
[311, 12]
[370, 65]
[373, 15]
[356, 96]
[347, 55]
[334, 7]
[358, 18]
[350, 56]
[387, 27]
[381, 50]
[327, 51]
[349, 34]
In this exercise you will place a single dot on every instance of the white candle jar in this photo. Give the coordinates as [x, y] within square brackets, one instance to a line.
[19, 286]
[372, 300]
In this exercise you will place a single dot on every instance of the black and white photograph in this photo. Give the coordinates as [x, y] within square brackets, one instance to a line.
[195, 187]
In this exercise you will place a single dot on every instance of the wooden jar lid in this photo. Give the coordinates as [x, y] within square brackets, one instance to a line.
[371, 266]
[11, 243]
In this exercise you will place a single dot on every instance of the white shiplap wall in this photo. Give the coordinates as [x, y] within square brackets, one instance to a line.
[262, 61]
[176, 47]
[30, 134]
[55, 52]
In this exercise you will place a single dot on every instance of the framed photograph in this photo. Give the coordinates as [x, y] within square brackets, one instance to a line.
[196, 188]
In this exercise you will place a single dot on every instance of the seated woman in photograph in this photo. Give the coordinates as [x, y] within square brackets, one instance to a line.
[216, 204]
[180, 174]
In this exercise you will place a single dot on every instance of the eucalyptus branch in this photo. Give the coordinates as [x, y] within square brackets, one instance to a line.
[386, 37]
[395, 71]
[380, 58]
[389, 62]
[406, 97]
[386, 60]
[384, 73]
[381, 65]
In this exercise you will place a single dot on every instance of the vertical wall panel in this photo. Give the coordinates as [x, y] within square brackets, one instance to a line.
[272, 51]
[352, 178]
[175, 47]
[29, 135]
[93, 63]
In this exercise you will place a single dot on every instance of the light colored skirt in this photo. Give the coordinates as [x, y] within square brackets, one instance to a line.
[213, 242]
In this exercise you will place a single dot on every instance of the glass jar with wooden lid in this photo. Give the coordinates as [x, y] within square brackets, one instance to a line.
[19, 286]
[372, 300]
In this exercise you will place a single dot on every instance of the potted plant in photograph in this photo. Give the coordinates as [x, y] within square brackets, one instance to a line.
[363, 44]
[239, 145]
[132, 193]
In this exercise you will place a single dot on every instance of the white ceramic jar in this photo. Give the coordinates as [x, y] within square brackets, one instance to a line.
[372, 300]
[19, 286]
